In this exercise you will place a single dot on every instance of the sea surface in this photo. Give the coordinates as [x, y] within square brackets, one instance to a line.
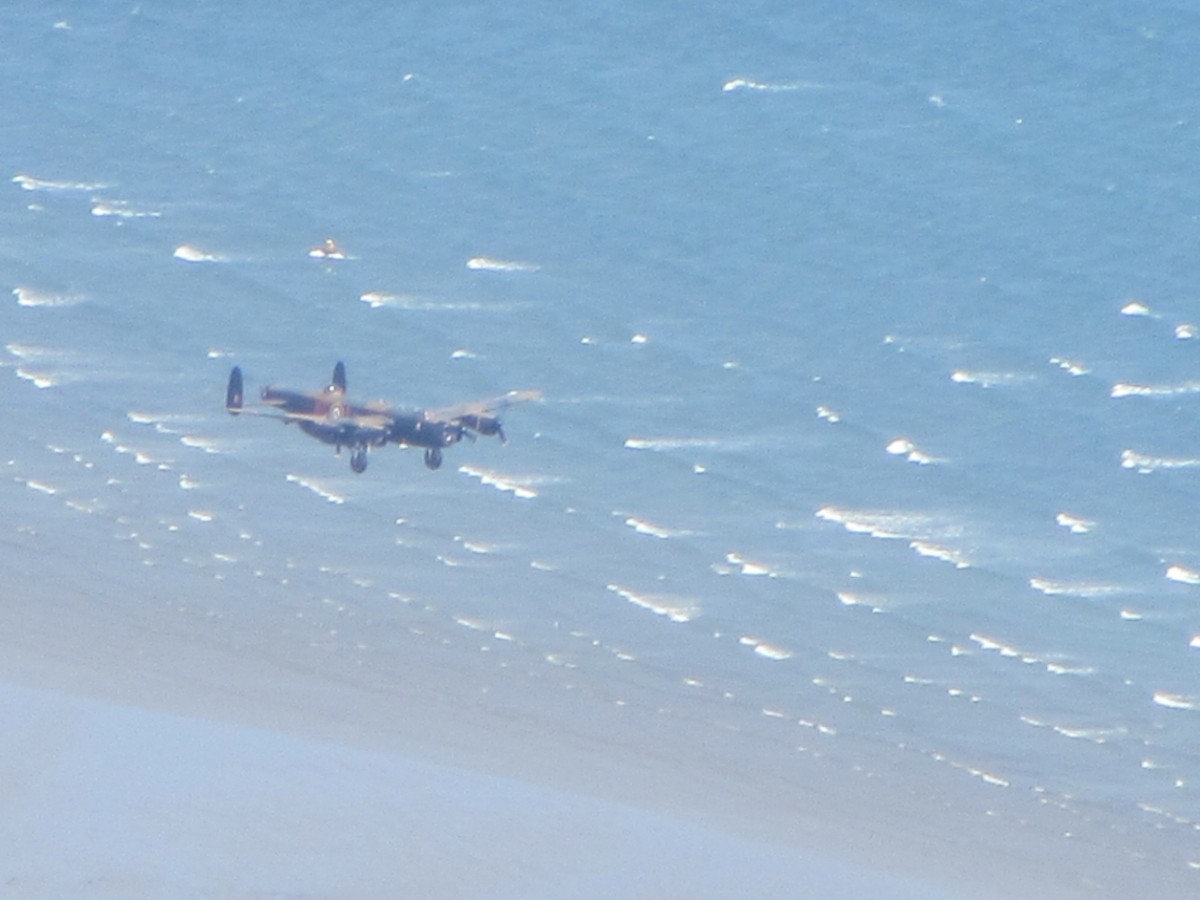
[867, 337]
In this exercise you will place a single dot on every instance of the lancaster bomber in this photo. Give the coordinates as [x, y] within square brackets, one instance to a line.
[331, 418]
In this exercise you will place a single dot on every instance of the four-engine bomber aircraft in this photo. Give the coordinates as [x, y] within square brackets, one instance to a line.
[332, 419]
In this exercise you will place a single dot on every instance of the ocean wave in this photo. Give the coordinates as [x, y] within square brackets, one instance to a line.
[1137, 308]
[31, 298]
[1145, 465]
[1085, 589]
[765, 649]
[910, 451]
[523, 486]
[386, 300]
[991, 379]
[121, 209]
[892, 524]
[317, 488]
[945, 554]
[488, 264]
[1125, 389]
[1172, 700]
[29, 183]
[642, 526]
[1183, 575]
[1076, 524]
[675, 608]
[748, 84]
[188, 253]
[1071, 367]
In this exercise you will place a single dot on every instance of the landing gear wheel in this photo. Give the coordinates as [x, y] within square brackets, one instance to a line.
[358, 461]
[433, 458]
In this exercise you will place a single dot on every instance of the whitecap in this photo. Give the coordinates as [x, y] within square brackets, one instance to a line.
[1176, 701]
[751, 567]
[906, 448]
[945, 554]
[1076, 524]
[31, 298]
[188, 253]
[1125, 389]
[641, 526]
[891, 524]
[824, 412]
[29, 183]
[764, 649]
[990, 379]
[1144, 465]
[747, 84]
[122, 210]
[675, 608]
[41, 380]
[1135, 308]
[317, 488]
[201, 515]
[1087, 590]
[523, 486]
[669, 443]
[488, 264]
[1185, 331]
[1183, 574]
[1071, 367]
[386, 300]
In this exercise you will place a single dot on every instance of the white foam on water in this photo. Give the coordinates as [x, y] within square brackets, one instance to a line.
[1071, 367]
[1182, 574]
[1076, 524]
[201, 515]
[40, 380]
[29, 183]
[824, 412]
[40, 486]
[386, 300]
[669, 443]
[765, 649]
[1176, 701]
[32, 298]
[1124, 389]
[1084, 589]
[751, 567]
[673, 607]
[522, 486]
[317, 488]
[990, 379]
[641, 526]
[847, 598]
[1136, 308]
[488, 264]
[1145, 465]
[945, 554]
[892, 524]
[188, 253]
[121, 209]
[1185, 331]
[749, 84]
[196, 442]
[910, 451]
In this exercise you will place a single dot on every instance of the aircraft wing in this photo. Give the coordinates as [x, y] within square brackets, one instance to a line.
[481, 408]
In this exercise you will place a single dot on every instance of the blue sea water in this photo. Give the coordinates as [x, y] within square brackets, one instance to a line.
[867, 338]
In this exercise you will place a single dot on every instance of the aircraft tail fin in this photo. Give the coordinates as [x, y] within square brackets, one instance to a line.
[339, 378]
[233, 393]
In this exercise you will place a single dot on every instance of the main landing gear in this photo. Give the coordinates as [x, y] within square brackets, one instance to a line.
[358, 460]
[433, 457]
